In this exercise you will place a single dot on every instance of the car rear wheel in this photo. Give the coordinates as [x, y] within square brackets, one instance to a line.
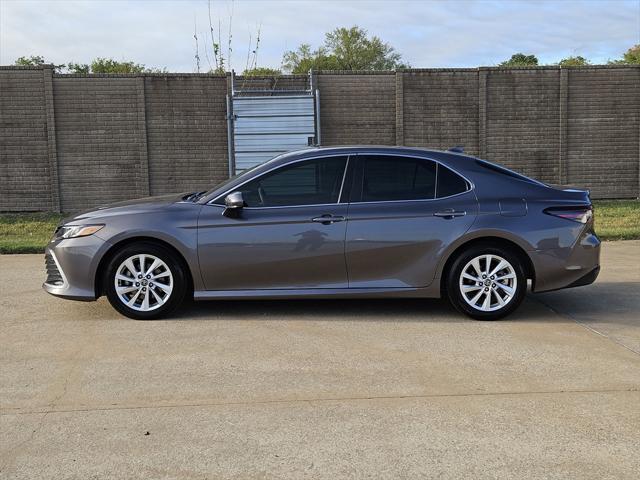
[145, 281]
[486, 283]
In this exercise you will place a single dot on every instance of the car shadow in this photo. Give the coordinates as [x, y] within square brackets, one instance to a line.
[607, 302]
[365, 310]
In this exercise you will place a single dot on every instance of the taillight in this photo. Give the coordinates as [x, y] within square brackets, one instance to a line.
[581, 214]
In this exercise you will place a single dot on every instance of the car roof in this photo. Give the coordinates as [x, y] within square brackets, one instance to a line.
[458, 161]
[446, 156]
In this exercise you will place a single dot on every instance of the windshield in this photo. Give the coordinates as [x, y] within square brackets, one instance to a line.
[229, 181]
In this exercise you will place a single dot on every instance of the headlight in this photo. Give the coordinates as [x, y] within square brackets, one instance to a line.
[73, 231]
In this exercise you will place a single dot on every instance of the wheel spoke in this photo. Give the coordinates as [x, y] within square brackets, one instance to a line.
[476, 266]
[124, 278]
[133, 299]
[158, 299]
[470, 288]
[510, 291]
[498, 297]
[506, 277]
[476, 298]
[502, 264]
[488, 263]
[145, 300]
[156, 263]
[487, 300]
[161, 275]
[123, 290]
[129, 264]
[165, 288]
[141, 261]
[470, 277]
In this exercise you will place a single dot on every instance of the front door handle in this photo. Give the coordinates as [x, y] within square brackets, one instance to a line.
[450, 213]
[328, 219]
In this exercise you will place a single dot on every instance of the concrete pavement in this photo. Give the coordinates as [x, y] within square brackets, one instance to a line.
[322, 389]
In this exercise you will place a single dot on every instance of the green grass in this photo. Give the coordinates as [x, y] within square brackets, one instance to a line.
[26, 232]
[617, 219]
[30, 232]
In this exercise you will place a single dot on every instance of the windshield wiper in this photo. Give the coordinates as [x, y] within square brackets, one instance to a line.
[193, 197]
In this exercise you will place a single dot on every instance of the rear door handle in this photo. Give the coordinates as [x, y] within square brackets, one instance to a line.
[450, 213]
[328, 219]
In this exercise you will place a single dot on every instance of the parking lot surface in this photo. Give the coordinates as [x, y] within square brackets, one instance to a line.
[322, 389]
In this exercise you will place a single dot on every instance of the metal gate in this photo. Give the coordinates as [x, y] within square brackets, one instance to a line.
[263, 123]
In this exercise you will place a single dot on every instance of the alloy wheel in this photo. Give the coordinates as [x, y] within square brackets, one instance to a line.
[488, 283]
[143, 282]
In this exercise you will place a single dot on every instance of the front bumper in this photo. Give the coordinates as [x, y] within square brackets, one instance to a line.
[567, 267]
[71, 266]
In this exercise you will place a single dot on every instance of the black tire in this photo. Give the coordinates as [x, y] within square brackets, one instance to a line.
[455, 295]
[176, 267]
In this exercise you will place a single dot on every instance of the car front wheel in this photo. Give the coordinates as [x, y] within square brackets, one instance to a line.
[486, 283]
[145, 281]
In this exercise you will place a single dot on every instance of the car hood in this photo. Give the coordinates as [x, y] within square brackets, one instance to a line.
[139, 205]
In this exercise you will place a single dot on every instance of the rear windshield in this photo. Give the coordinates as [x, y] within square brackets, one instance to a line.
[509, 173]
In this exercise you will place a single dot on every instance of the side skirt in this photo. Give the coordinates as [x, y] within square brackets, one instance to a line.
[427, 292]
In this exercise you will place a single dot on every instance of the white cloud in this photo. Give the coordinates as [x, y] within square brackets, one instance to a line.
[427, 33]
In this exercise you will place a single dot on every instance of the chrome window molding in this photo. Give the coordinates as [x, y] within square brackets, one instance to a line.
[418, 157]
[438, 164]
[346, 166]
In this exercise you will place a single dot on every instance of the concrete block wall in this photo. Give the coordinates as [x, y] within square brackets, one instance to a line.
[25, 172]
[186, 132]
[603, 116]
[69, 142]
[522, 120]
[440, 109]
[98, 135]
[357, 108]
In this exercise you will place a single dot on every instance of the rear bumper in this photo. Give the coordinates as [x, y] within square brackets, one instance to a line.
[567, 267]
[587, 279]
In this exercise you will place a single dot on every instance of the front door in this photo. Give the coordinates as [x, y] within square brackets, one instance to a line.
[405, 211]
[290, 235]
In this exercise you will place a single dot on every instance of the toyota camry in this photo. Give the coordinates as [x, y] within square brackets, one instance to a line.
[350, 222]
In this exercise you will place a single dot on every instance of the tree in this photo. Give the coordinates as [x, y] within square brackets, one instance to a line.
[303, 60]
[344, 49]
[261, 72]
[574, 61]
[520, 60]
[630, 57]
[82, 68]
[108, 65]
[36, 61]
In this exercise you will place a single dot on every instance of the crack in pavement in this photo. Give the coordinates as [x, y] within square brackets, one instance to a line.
[51, 409]
[325, 400]
[581, 323]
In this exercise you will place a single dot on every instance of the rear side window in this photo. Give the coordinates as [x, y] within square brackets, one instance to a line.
[450, 183]
[387, 178]
[505, 171]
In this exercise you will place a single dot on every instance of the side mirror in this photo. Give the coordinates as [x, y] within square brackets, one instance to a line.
[233, 203]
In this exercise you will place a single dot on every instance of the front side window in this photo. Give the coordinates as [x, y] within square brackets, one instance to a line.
[387, 178]
[308, 182]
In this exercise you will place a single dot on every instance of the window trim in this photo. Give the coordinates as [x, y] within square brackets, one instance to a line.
[360, 176]
[299, 160]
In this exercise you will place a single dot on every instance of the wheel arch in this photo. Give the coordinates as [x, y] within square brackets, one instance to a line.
[113, 250]
[494, 241]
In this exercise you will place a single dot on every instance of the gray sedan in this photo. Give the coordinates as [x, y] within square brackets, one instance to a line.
[335, 222]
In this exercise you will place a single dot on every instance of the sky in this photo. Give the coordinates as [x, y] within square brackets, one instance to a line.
[454, 33]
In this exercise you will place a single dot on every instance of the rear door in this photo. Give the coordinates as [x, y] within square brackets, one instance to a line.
[404, 212]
